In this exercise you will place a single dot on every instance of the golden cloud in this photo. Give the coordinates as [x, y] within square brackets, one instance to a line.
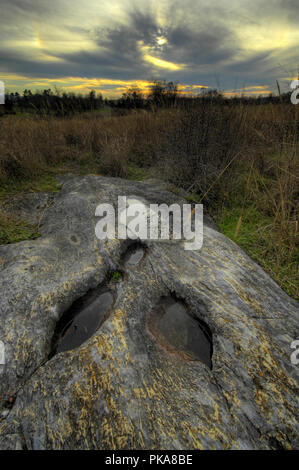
[163, 64]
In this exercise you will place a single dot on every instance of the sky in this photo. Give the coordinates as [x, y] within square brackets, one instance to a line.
[109, 46]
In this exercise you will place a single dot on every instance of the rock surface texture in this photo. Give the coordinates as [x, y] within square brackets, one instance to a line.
[125, 387]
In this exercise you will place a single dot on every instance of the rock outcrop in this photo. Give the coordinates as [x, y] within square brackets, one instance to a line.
[141, 380]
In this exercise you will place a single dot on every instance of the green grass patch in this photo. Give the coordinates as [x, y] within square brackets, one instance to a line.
[258, 237]
[136, 173]
[116, 276]
[13, 230]
[43, 183]
[194, 198]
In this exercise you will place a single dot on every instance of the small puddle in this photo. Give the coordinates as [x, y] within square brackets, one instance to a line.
[82, 320]
[133, 256]
[178, 332]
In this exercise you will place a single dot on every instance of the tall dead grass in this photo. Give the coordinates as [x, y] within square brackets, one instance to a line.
[234, 156]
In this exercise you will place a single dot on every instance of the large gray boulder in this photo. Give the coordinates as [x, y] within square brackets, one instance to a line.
[141, 380]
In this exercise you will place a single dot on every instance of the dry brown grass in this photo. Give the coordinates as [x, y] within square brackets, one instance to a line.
[242, 159]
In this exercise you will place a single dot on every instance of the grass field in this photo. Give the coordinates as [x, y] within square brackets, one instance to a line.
[241, 161]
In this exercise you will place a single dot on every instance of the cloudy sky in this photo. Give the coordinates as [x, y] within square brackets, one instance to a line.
[110, 45]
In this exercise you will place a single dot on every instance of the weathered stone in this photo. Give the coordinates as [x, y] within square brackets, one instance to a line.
[122, 388]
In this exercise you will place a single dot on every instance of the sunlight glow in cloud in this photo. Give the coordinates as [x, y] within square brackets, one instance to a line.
[163, 64]
[258, 38]
[161, 40]
[255, 90]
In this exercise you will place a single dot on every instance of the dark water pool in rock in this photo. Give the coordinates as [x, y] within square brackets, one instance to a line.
[82, 320]
[133, 256]
[178, 332]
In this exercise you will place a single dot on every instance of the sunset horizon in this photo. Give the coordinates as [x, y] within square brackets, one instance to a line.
[233, 47]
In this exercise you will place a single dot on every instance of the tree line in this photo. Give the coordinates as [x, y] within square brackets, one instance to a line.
[162, 94]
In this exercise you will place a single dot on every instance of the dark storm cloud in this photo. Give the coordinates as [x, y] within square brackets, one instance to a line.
[121, 43]
[254, 65]
[120, 46]
[119, 50]
[209, 45]
[80, 65]
[191, 43]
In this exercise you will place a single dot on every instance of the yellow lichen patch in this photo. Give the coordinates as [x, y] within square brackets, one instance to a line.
[140, 393]
[232, 398]
[23, 349]
[216, 413]
[261, 398]
[248, 299]
[272, 384]
[119, 326]
[194, 434]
